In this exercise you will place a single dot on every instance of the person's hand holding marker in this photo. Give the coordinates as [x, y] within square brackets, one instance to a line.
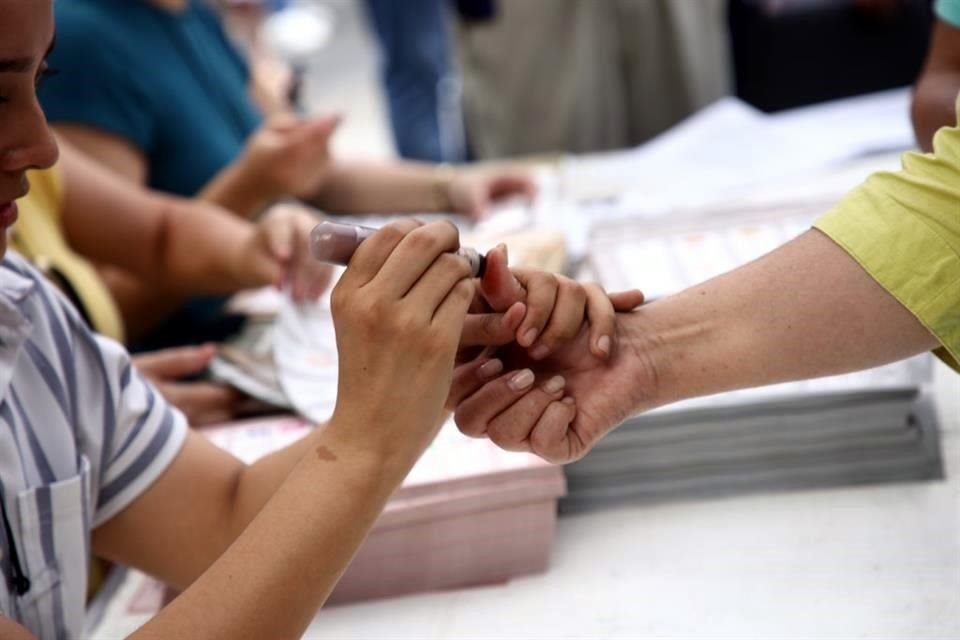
[535, 312]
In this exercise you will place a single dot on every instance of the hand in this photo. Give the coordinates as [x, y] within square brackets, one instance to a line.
[525, 408]
[540, 311]
[556, 306]
[472, 191]
[202, 403]
[289, 156]
[398, 311]
[283, 241]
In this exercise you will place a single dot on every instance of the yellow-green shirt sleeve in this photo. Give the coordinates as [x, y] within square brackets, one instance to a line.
[904, 228]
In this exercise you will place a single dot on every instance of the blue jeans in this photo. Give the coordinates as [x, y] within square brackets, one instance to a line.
[422, 91]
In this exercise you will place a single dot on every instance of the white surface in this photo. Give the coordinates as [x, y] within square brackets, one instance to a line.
[867, 562]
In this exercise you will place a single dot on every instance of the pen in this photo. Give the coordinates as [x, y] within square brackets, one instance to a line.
[335, 243]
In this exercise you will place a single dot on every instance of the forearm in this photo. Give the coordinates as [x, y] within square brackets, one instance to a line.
[236, 190]
[934, 105]
[258, 482]
[400, 187]
[935, 97]
[201, 250]
[806, 310]
[274, 577]
[191, 247]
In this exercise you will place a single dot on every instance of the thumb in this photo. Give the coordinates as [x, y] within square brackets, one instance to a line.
[499, 287]
[626, 300]
[492, 329]
[173, 364]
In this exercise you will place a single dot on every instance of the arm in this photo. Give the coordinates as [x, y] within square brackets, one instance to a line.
[115, 153]
[290, 157]
[10, 630]
[805, 310]
[405, 187]
[258, 549]
[193, 247]
[358, 187]
[307, 507]
[935, 96]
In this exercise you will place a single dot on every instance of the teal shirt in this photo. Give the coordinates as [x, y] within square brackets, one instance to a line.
[170, 84]
[949, 11]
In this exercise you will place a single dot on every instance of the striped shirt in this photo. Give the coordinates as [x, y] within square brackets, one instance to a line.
[82, 435]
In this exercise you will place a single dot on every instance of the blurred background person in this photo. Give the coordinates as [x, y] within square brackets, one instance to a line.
[591, 75]
[156, 91]
[181, 247]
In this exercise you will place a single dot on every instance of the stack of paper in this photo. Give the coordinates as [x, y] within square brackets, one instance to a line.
[862, 427]
[798, 441]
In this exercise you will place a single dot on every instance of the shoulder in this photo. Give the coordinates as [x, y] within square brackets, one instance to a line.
[38, 300]
[949, 11]
[93, 34]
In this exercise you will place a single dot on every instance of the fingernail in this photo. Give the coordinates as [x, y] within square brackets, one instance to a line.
[521, 380]
[555, 384]
[603, 344]
[529, 337]
[568, 400]
[491, 368]
[540, 352]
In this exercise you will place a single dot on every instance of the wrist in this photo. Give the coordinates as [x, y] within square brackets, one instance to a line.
[441, 188]
[680, 349]
[253, 184]
[642, 353]
[376, 444]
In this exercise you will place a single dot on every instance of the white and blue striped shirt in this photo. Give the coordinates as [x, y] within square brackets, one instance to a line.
[82, 435]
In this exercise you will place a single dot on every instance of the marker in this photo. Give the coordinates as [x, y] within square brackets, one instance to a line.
[335, 243]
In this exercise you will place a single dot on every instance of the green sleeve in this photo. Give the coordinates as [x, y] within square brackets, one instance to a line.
[904, 229]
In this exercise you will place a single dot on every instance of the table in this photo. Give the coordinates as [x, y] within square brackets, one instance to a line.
[865, 562]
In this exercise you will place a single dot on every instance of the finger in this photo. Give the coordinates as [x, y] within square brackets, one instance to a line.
[171, 364]
[499, 286]
[319, 276]
[475, 412]
[627, 300]
[469, 377]
[452, 311]
[413, 256]
[553, 438]
[373, 252]
[313, 276]
[542, 289]
[511, 429]
[492, 329]
[566, 318]
[602, 319]
[429, 292]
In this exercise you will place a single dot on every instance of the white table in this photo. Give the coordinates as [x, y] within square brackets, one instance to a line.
[866, 562]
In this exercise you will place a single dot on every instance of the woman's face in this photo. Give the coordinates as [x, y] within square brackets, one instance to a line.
[26, 36]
